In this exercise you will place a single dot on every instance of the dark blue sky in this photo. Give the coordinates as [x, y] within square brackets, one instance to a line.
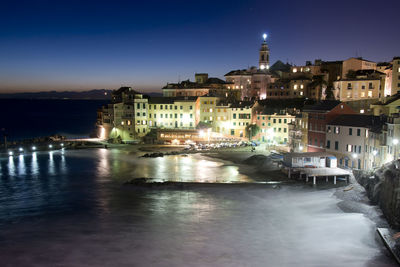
[79, 45]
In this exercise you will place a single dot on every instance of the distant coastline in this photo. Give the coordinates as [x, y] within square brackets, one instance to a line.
[96, 94]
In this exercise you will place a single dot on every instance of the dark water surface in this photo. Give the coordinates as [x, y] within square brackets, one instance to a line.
[71, 209]
[26, 118]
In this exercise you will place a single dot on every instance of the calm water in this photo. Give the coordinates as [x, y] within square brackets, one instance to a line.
[71, 209]
[25, 118]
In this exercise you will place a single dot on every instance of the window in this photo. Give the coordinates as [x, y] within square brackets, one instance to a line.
[280, 120]
[138, 114]
[234, 115]
[274, 120]
[359, 149]
[285, 121]
[144, 105]
[176, 107]
[336, 145]
[143, 114]
[337, 130]
[232, 132]
[284, 130]
[328, 144]
[166, 106]
[176, 116]
[348, 86]
[358, 132]
[369, 93]
[181, 115]
[350, 131]
[138, 105]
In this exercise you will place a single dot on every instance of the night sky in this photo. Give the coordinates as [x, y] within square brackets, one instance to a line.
[80, 45]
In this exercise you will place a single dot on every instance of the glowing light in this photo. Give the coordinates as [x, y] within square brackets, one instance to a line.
[62, 144]
[301, 147]
[21, 149]
[10, 153]
[50, 146]
[103, 132]
[265, 36]
[175, 142]
[354, 155]
[374, 152]
[395, 141]
[201, 133]
[33, 148]
[262, 67]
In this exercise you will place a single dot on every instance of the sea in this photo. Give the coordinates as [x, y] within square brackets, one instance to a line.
[29, 118]
[74, 208]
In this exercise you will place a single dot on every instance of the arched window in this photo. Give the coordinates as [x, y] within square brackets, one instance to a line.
[262, 57]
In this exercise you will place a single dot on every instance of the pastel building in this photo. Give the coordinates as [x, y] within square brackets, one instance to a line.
[274, 128]
[347, 137]
[167, 112]
[364, 85]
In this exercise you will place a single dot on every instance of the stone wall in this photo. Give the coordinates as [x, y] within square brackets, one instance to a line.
[383, 189]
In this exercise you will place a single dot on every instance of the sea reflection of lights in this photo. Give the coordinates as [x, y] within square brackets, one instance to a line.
[34, 165]
[63, 166]
[21, 165]
[11, 166]
[103, 168]
[52, 170]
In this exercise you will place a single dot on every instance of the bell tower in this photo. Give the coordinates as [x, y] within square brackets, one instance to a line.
[263, 63]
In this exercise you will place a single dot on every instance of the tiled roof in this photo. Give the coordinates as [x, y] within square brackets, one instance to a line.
[358, 120]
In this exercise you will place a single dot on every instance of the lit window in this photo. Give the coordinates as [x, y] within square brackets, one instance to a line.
[295, 87]
[362, 94]
[237, 86]
[294, 70]
[301, 93]
[370, 94]
[122, 123]
[301, 86]
[361, 111]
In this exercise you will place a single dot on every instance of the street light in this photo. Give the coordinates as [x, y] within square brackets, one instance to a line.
[354, 155]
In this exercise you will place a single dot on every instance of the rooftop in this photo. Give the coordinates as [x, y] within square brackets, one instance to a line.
[325, 105]
[358, 120]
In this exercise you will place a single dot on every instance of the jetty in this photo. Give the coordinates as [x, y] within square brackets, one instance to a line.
[314, 166]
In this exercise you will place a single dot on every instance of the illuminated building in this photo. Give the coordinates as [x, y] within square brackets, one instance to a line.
[365, 84]
[392, 82]
[203, 85]
[241, 116]
[126, 118]
[319, 115]
[353, 138]
[168, 112]
[253, 81]
[274, 128]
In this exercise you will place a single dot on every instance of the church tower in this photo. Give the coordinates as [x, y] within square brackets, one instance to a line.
[264, 55]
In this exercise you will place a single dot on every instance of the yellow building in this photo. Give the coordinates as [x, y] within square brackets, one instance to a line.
[241, 116]
[126, 117]
[168, 112]
[364, 85]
